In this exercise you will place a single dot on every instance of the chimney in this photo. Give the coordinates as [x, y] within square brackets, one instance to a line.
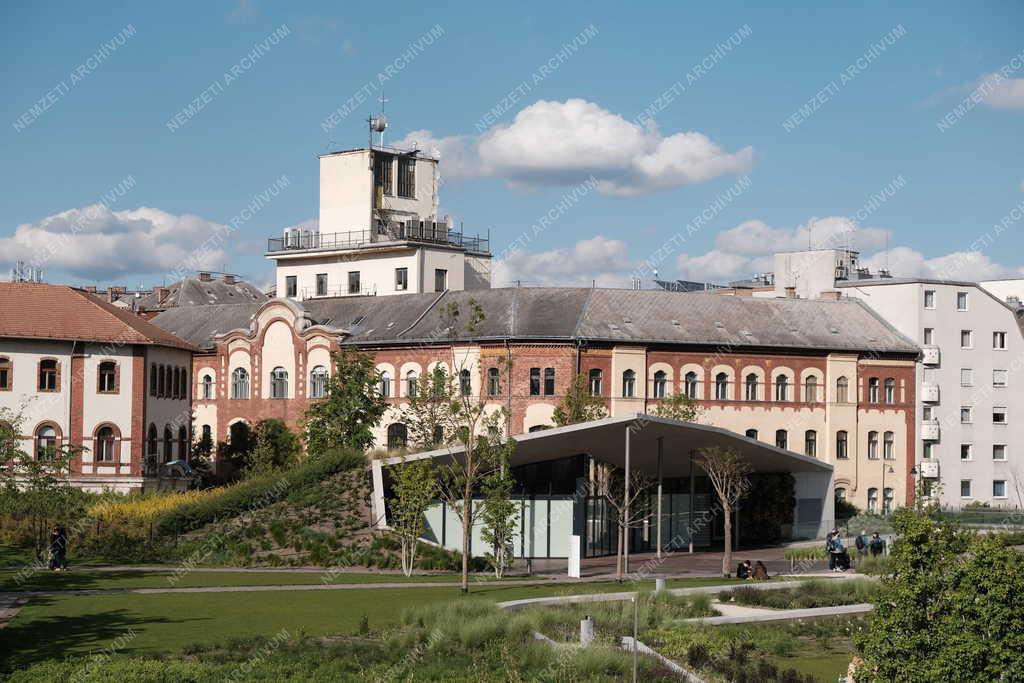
[790, 292]
[229, 279]
[114, 292]
[161, 293]
[91, 289]
[205, 277]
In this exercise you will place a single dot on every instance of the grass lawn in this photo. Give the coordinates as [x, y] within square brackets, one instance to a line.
[826, 666]
[57, 626]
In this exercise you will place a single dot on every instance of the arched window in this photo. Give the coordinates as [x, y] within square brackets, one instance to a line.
[46, 441]
[385, 384]
[153, 382]
[721, 386]
[811, 389]
[840, 494]
[872, 445]
[412, 383]
[842, 390]
[889, 446]
[872, 500]
[240, 384]
[278, 383]
[841, 445]
[781, 438]
[161, 381]
[660, 384]
[318, 382]
[207, 434]
[873, 390]
[890, 390]
[182, 443]
[465, 382]
[5, 374]
[106, 377]
[596, 378]
[781, 388]
[48, 375]
[105, 445]
[493, 382]
[751, 433]
[887, 500]
[811, 443]
[168, 443]
[398, 436]
[628, 384]
[207, 383]
[151, 440]
[751, 387]
[690, 384]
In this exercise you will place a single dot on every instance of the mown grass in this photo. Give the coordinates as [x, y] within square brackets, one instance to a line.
[809, 594]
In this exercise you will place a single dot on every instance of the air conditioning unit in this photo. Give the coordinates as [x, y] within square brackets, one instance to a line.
[929, 469]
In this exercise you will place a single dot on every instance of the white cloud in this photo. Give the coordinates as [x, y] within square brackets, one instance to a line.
[958, 265]
[94, 243]
[565, 143]
[1001, 92]
[599, 259]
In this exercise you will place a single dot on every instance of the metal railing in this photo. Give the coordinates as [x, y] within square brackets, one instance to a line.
[422, 231]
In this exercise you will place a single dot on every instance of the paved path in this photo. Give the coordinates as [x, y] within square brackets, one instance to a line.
[736, 614]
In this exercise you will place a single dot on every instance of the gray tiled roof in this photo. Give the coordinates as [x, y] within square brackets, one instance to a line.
[613, 315]
[191, 291]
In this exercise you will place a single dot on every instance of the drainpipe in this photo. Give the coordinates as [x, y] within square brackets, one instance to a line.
[508, 388]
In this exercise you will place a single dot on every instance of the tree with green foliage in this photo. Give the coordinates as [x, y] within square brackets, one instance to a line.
[578, 404]
[277, 447]
[427, 413]
[37, 486]
[414, 485]
[500, 518]
[353, 406]
[949, 608]
[678, 406]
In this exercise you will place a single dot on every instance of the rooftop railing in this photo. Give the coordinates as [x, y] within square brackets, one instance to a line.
[422, 231]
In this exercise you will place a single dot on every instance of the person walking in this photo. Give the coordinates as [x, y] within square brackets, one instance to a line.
[876, 545]
[828, 550]
[861, 543]
[58, 548]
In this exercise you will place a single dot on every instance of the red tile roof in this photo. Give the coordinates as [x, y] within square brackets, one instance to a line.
[30, 310]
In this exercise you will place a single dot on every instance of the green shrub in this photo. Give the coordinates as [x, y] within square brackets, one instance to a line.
[810, 594]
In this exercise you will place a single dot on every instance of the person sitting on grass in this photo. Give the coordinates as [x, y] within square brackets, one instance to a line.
[760, 571]
[743, 570]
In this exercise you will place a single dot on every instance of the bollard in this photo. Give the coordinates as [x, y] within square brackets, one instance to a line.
[659, 585]
[586, 631]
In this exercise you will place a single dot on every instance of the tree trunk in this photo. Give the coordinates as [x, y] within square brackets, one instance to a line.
[618, 556]
[467, 502]
[727, 555]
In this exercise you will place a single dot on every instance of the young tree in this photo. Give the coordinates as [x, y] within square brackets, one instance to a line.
[276, 448]
[578, 404]
[728, 472]
[352, 408]
[500, 519]
[948, 609]
[625, 501]
[415, 488]
[427, 414]
[678, 406]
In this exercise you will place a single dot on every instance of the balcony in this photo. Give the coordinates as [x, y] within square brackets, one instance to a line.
[929, 392]
[412, 231]
[930, 430]
[930, 355]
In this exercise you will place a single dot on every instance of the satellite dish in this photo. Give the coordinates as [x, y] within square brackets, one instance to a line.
[378, 123]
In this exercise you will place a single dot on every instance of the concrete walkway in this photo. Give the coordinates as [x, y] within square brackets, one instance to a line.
[737, 614]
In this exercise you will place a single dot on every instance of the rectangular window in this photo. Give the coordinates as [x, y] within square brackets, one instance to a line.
[534, 381]
[966, 415]
[440, 279]
[965, 488]
[929, 335]
[549, 381]
[353, 282]
[966, 339]
[929, 298]
[999, 488]
[965, 451]
[382, 172]
[5, 374]
[999, 378]
[926, 413]
[401, 279]
[291, 286]
[929, 447]
[406, 177]
[999, 341]
[966, 377]
[999, 451]
[321, 284]
[961, 301]
[999, 415]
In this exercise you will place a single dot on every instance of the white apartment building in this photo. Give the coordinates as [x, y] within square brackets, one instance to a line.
[971, 427]
[378, 233]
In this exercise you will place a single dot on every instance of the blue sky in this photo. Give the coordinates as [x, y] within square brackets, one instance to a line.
[884, 77]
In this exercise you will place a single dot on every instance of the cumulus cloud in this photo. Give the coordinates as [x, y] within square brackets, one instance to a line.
[95, 243]
[1001, 92]
[564, 143]
[959, 265]
[599, 259]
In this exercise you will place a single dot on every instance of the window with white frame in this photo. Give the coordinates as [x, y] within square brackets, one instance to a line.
[781, 388]
[872, 445]
[207, 387]
[872, 500]
[966, 339]
[240, 384]
[781, 438]
[873, 390]
[841, 445]
[999, 451]
[929, 335]
[890, 390]
[927, 413]
[628, 384]
[929, 298]
[961, 301]
[887, 500]
[999, 488]
[889, 446]
[660, 384]
[318, 382]
[278, 383]
[929, 448]
[690, 385]
[966, 377]
[999, 415]
[965, 451]
[966, 415]
[385, 384]
[811, 389]
[965, 488]
[999, 341]
[750, 387]
[721, 386]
